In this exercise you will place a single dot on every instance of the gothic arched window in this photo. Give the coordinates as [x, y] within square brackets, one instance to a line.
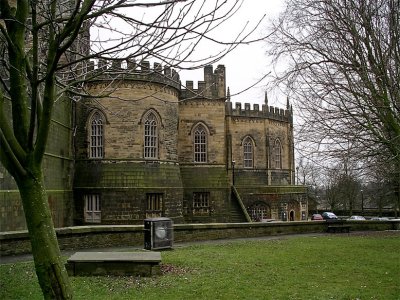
[248, 153]
[150, 136]
[96, 136]
[200, 144]
[278, 154]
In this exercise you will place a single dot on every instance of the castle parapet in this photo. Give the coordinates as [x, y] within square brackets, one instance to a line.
[267, 112]
[212, 87]
[118, 69]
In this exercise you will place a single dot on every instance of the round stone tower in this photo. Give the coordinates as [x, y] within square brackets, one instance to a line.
[127, 143]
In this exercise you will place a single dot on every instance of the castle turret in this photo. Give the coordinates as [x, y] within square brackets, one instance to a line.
[219, 82]
[213, 86]
[130, 71]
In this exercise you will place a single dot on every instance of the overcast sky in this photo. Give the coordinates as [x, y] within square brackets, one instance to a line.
[245, 65]
[248, 63]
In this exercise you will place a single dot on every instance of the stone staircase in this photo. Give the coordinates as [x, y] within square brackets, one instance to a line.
[236, 214]
[237, 210]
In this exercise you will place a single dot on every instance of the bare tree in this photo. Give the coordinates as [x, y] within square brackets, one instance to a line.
[47, 53]
[342, 186]
[332, 189]
[341, 65]
[381, 189]
[348, 190]
[309, 171]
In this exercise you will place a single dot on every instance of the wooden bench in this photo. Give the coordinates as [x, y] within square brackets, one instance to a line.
[338, 228]
[114, 263]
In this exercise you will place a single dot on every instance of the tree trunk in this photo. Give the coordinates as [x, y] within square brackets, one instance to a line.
[397, 201]
[380, 206]
[350, 207]
[50, 270]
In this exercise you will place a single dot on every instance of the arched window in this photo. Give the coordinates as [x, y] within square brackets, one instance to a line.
[96, 136]
[150, 136]
[278, 154]
[200, 144]
[248, 153]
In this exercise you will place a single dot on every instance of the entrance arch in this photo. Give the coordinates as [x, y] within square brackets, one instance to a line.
[291, 215]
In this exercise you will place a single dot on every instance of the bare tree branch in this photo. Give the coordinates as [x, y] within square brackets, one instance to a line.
[343, 73]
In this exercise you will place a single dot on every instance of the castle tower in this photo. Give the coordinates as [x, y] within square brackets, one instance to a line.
[261, 144]
[202, 148]
[213, 86]
[127, 156]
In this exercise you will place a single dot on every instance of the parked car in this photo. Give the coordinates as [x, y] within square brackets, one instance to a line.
[357, 218]
[329, 216]
[317, 217]
[379, 219]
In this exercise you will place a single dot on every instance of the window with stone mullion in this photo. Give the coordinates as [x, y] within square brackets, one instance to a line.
[150, 137]
[278, 154]
[200, 144]
[96, 137]
[201, 200]
[248, 154]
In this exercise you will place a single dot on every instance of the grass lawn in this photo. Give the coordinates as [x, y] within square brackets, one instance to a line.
[325, 267]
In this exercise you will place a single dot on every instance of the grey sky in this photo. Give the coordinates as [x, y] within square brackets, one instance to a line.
[248, 63]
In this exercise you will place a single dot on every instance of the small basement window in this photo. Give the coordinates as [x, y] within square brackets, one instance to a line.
[201, 203]
[154, 205]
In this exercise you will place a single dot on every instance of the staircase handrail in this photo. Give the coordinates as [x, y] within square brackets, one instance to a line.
[239, 200]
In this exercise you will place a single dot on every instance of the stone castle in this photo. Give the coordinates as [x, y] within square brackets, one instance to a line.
[149, 147]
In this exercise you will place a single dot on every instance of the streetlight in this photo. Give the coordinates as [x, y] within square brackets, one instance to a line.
[233, 172]
[362, 201]
[297, 169]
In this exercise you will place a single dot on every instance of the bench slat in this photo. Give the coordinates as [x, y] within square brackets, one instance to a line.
[115, 256]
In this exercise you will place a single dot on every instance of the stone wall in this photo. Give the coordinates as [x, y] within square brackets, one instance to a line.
[123, 186]
[85, 237]
[12, 212]
[210, 113]
[124, 110]
[278, 201]
[123, 177]
[263, 131]
[58, 170]
[211, 179]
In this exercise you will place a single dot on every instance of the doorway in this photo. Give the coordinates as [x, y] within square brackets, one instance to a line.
[291, 215]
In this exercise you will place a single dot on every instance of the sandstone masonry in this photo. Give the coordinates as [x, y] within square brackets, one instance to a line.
[144, 146]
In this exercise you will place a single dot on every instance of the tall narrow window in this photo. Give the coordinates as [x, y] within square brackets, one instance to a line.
[248, 153]
[200, 144]
[278, 154]
[150, 136]
[96, 136]
[92, 209]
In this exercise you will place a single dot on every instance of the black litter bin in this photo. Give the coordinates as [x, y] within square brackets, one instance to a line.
[158, 233]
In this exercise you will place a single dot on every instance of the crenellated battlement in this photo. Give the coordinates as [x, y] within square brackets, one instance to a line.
[212, 87]
[119, 69]
[267, 112]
